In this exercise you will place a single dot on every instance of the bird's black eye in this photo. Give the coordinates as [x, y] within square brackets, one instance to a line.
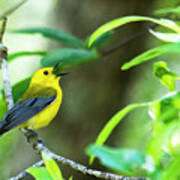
[46, 72]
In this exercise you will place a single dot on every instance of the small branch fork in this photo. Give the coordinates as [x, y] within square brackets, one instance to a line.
[33, 137]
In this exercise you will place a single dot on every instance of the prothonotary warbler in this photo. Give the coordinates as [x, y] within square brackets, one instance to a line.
[39, 104]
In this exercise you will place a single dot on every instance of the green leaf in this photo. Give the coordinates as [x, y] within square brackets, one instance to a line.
[113, 122]
[127, 19]
[71, 178]
[166, 37]
[52, 167]
[166, 77]
[19, 88]
[167, 108]
[53, 34]
[68, 57]
[40, 173]
[3, 108]
[15, 55]
[165, 113]
[173, 10]
[174, 143]
[102, 39]
[158, 147]
[172, 170]
[126, 161]
[152, 53]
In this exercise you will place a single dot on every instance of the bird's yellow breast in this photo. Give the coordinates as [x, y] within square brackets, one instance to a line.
[44, 117]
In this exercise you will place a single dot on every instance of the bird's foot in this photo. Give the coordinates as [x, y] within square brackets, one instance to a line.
[33, 138]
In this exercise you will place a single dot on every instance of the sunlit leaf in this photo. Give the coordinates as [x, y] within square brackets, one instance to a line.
[173, 10]
[172, 170]
[68, 57]
[124, 20]
[157, 147]
[166, 37]
[167, 108]
[101, 40]
[52, 167]
[15, 55]
[166, 77]
[40, 173]
[53, 34]
[71, 178]
[126, 161]
[113, 122]
[165, 113]
[152, 53]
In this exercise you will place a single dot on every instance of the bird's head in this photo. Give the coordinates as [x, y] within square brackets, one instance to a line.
[47, 77]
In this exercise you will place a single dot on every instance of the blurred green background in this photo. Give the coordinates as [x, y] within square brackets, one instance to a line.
[92, 92]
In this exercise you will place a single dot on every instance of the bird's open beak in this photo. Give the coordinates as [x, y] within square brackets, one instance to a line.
[56, 68]
[62, 74]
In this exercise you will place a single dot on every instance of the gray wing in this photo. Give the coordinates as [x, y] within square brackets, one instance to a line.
[22, 111]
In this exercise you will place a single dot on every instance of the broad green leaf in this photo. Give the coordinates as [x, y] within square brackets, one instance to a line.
[15, 55]
[152, 53]
[71, 178]
[113, 122]
[53, 34]
[126, 161]
[101, 40]
[52, 167]
[19, 88]
[166, 77]
[127, 19]
[40, 173]
[68, 57]
[166, 37]
[173, 10]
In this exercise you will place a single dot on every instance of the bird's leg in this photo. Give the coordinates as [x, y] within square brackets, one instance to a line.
[32, 137]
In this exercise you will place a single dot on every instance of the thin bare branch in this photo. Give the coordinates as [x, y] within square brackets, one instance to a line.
[126, 41]
[12, 9]
[76, 166]
[3, 29]
[4, 66]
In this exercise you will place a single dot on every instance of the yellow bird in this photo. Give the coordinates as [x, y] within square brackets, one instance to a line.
[39, 104]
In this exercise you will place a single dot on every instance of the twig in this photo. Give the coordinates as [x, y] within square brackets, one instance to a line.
[5, 72]
[25, 172]
[12, 9]
[36, 141]
[74, 165]
[3, 29]
[126, 41]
